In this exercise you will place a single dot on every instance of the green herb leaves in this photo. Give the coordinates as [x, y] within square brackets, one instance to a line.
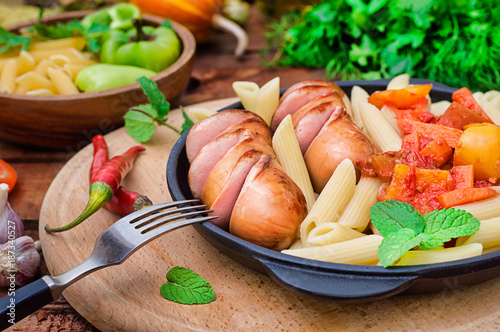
[404, 228]
[454, 42]
[9, 40]
[187, 287]
[141, 120]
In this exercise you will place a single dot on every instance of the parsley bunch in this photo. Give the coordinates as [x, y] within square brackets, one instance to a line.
[456, 42]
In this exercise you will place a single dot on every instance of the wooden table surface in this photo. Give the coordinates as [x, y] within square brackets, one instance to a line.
[215, 70]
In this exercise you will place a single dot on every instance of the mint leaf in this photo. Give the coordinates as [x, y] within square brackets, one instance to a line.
[155, 97]
[446, 224]
[396, 244]
[9, 40]
[187, 122]
[187, 287]
[391, 216]
[140, 122]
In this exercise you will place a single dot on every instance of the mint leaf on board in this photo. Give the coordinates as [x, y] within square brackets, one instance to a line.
[9, 40]
[187, 122]
[444, 225]
[187, 287]
[391, 216]
[396, 244]
[155, 97]
[140, 122]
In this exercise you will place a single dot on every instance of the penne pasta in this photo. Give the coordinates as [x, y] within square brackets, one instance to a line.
[76, 42]
[40, 92]
[8, 76]
[332, 200]
[41, 67]
[196, 114]
[362, 250]
[438, 108]
[358, 95]
[331, 232]
[421, 257]
[379, 129]
[72, 69]
[399, 82]
[289, 156]
[297, 244]
[391, 118]
[488, 234]
[247, 92]
[268, 99]
[492, 109]
[25, 63]
[484, 209]
[357, 213]
[33, 80]
[62, 82]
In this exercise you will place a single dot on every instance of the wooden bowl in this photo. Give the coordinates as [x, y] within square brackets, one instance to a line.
[69, 121]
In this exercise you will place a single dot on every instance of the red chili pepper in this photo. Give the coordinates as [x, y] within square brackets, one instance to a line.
[104, 186]
[124, 201]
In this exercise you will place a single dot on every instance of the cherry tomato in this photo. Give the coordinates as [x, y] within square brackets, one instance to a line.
[7, 174]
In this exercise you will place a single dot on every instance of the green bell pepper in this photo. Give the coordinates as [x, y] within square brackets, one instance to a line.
[147, 47]
[105, 76]
[119, 17]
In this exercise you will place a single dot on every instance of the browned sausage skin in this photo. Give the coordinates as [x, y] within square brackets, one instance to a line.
[309, 120]
[227, 177]
[270, 207]
[339, 139]
[210, 154]
[205, 131]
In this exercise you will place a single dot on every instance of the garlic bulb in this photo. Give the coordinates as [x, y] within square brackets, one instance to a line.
[11, 226]
[19, 262]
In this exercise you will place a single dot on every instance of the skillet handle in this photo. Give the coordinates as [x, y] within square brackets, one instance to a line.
[319, 283]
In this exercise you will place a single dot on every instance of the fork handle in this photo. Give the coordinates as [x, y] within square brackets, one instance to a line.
[23, 301]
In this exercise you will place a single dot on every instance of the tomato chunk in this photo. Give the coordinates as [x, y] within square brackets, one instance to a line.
[401, 98]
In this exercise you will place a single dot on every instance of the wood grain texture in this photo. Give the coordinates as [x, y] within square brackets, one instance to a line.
[127, 298]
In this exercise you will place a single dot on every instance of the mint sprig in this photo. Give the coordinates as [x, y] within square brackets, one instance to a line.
[141, 121]
[187, 287]
[404, 228]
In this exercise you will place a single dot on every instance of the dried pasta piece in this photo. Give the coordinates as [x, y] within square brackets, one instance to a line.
[333, 199]
[331, 232]
[438, 108]
[268, 99]
[399, 82]
[358, 95]
[433, 256]
[488, 234]
[26, 63]
[33, 80]
[247, 92]
[287, 150]
[484, 209]
[362, 250]
[391, 118]
[380, 130]
[7, 79]
[357, 213]
[62, 82]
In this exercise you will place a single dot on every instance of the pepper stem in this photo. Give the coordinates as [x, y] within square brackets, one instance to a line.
[140, 35]
[100, 193]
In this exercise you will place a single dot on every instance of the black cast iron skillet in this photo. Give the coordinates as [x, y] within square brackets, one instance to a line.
[340, 282]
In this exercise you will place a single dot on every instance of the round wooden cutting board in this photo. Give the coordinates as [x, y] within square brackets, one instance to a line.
[127, 297]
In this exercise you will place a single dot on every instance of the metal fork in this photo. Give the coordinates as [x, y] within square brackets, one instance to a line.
[112, 247]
